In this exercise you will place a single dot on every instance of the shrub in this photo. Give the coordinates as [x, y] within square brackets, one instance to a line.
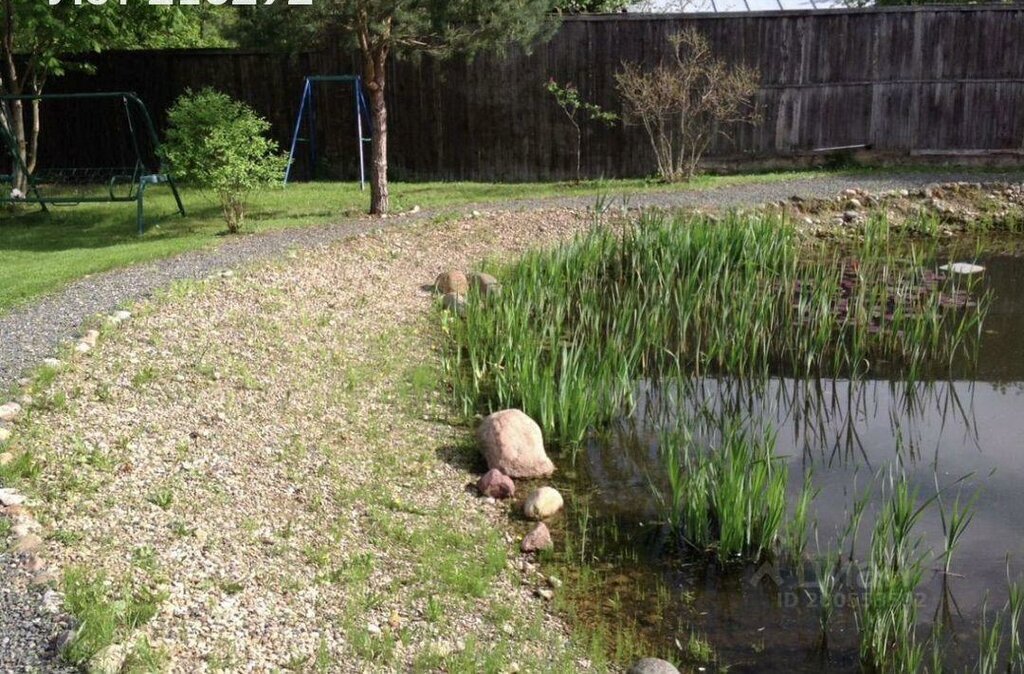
[685, 103]
[217, 142]
[573, 105]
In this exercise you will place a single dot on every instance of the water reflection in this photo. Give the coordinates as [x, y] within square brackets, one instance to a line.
[963, 434]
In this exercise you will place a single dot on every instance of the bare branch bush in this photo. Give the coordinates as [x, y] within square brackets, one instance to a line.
[686, 102]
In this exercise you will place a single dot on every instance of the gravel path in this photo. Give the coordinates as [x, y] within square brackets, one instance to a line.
[28, 635]
[31, 333]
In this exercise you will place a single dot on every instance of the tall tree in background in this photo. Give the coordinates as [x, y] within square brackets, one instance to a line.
[384, 28]
[35, 39]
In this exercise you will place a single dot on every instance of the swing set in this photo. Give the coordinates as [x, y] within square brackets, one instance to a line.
[139, 162]
[306, 120]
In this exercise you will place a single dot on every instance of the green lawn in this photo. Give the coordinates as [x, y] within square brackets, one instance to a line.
[40, 253]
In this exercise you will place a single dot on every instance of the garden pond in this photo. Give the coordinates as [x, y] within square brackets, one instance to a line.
[963, 432]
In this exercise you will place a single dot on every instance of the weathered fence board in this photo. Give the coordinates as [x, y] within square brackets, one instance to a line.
[900, 80]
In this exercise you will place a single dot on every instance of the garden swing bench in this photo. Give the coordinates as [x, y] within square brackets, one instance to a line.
[141, 165]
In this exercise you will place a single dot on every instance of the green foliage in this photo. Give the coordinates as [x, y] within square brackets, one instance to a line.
[573, 105]
[103, 617]
[887, 616]
[591, 6]
[731, 498]
[217, 142]
[576, 327]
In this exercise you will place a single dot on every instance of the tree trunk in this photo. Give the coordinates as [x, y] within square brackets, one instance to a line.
[375, 57]
[379, 199]
[17, 121]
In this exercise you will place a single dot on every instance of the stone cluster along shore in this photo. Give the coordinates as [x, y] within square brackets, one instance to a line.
[26, 531]
[454, 285]
[513, 446]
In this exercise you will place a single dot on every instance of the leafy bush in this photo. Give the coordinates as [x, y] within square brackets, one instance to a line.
[217, 142]
[685, 103]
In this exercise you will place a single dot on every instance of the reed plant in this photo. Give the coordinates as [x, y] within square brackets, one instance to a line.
[887, 615]
[672, 297]
[1015, 610]
[729, 499]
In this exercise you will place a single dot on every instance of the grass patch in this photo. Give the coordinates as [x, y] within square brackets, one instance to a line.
[103, 618]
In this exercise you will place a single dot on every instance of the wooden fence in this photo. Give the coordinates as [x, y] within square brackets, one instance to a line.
[905, 81]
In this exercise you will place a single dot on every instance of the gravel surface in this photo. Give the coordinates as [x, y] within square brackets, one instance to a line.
[28, 635]
[34, 332]
[239, 419]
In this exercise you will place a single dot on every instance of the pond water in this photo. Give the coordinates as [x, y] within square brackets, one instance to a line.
[963, 431]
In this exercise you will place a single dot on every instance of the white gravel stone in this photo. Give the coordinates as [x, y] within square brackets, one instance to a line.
[9, 411]
[11, 497]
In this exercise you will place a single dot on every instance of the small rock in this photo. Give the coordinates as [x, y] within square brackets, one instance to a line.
[496, 484]
[476, 214]
[120, 316]
[9, 411]
[554, 582]
[849, 216]
[26, 544]
[415, 209]
[23, 528]
[653, 666]
[451, 281]
[513, 443]
[544, 593]
[543, 503]
[962, 268]
[33, 564]
[853, 205]
[110, 660]
[5, 435]
[64, 639]
[11, 497]
[454, 302]
[91, 337]
[52, 601]
[82, 347]
[52, 362]
[485, 284]
[373, 629]
[538, 539]
[6, 457]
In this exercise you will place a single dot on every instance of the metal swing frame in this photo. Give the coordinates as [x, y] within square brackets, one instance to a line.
[307, 114]
[137, 178]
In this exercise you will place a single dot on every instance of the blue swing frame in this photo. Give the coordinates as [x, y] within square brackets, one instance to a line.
[307, 113]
